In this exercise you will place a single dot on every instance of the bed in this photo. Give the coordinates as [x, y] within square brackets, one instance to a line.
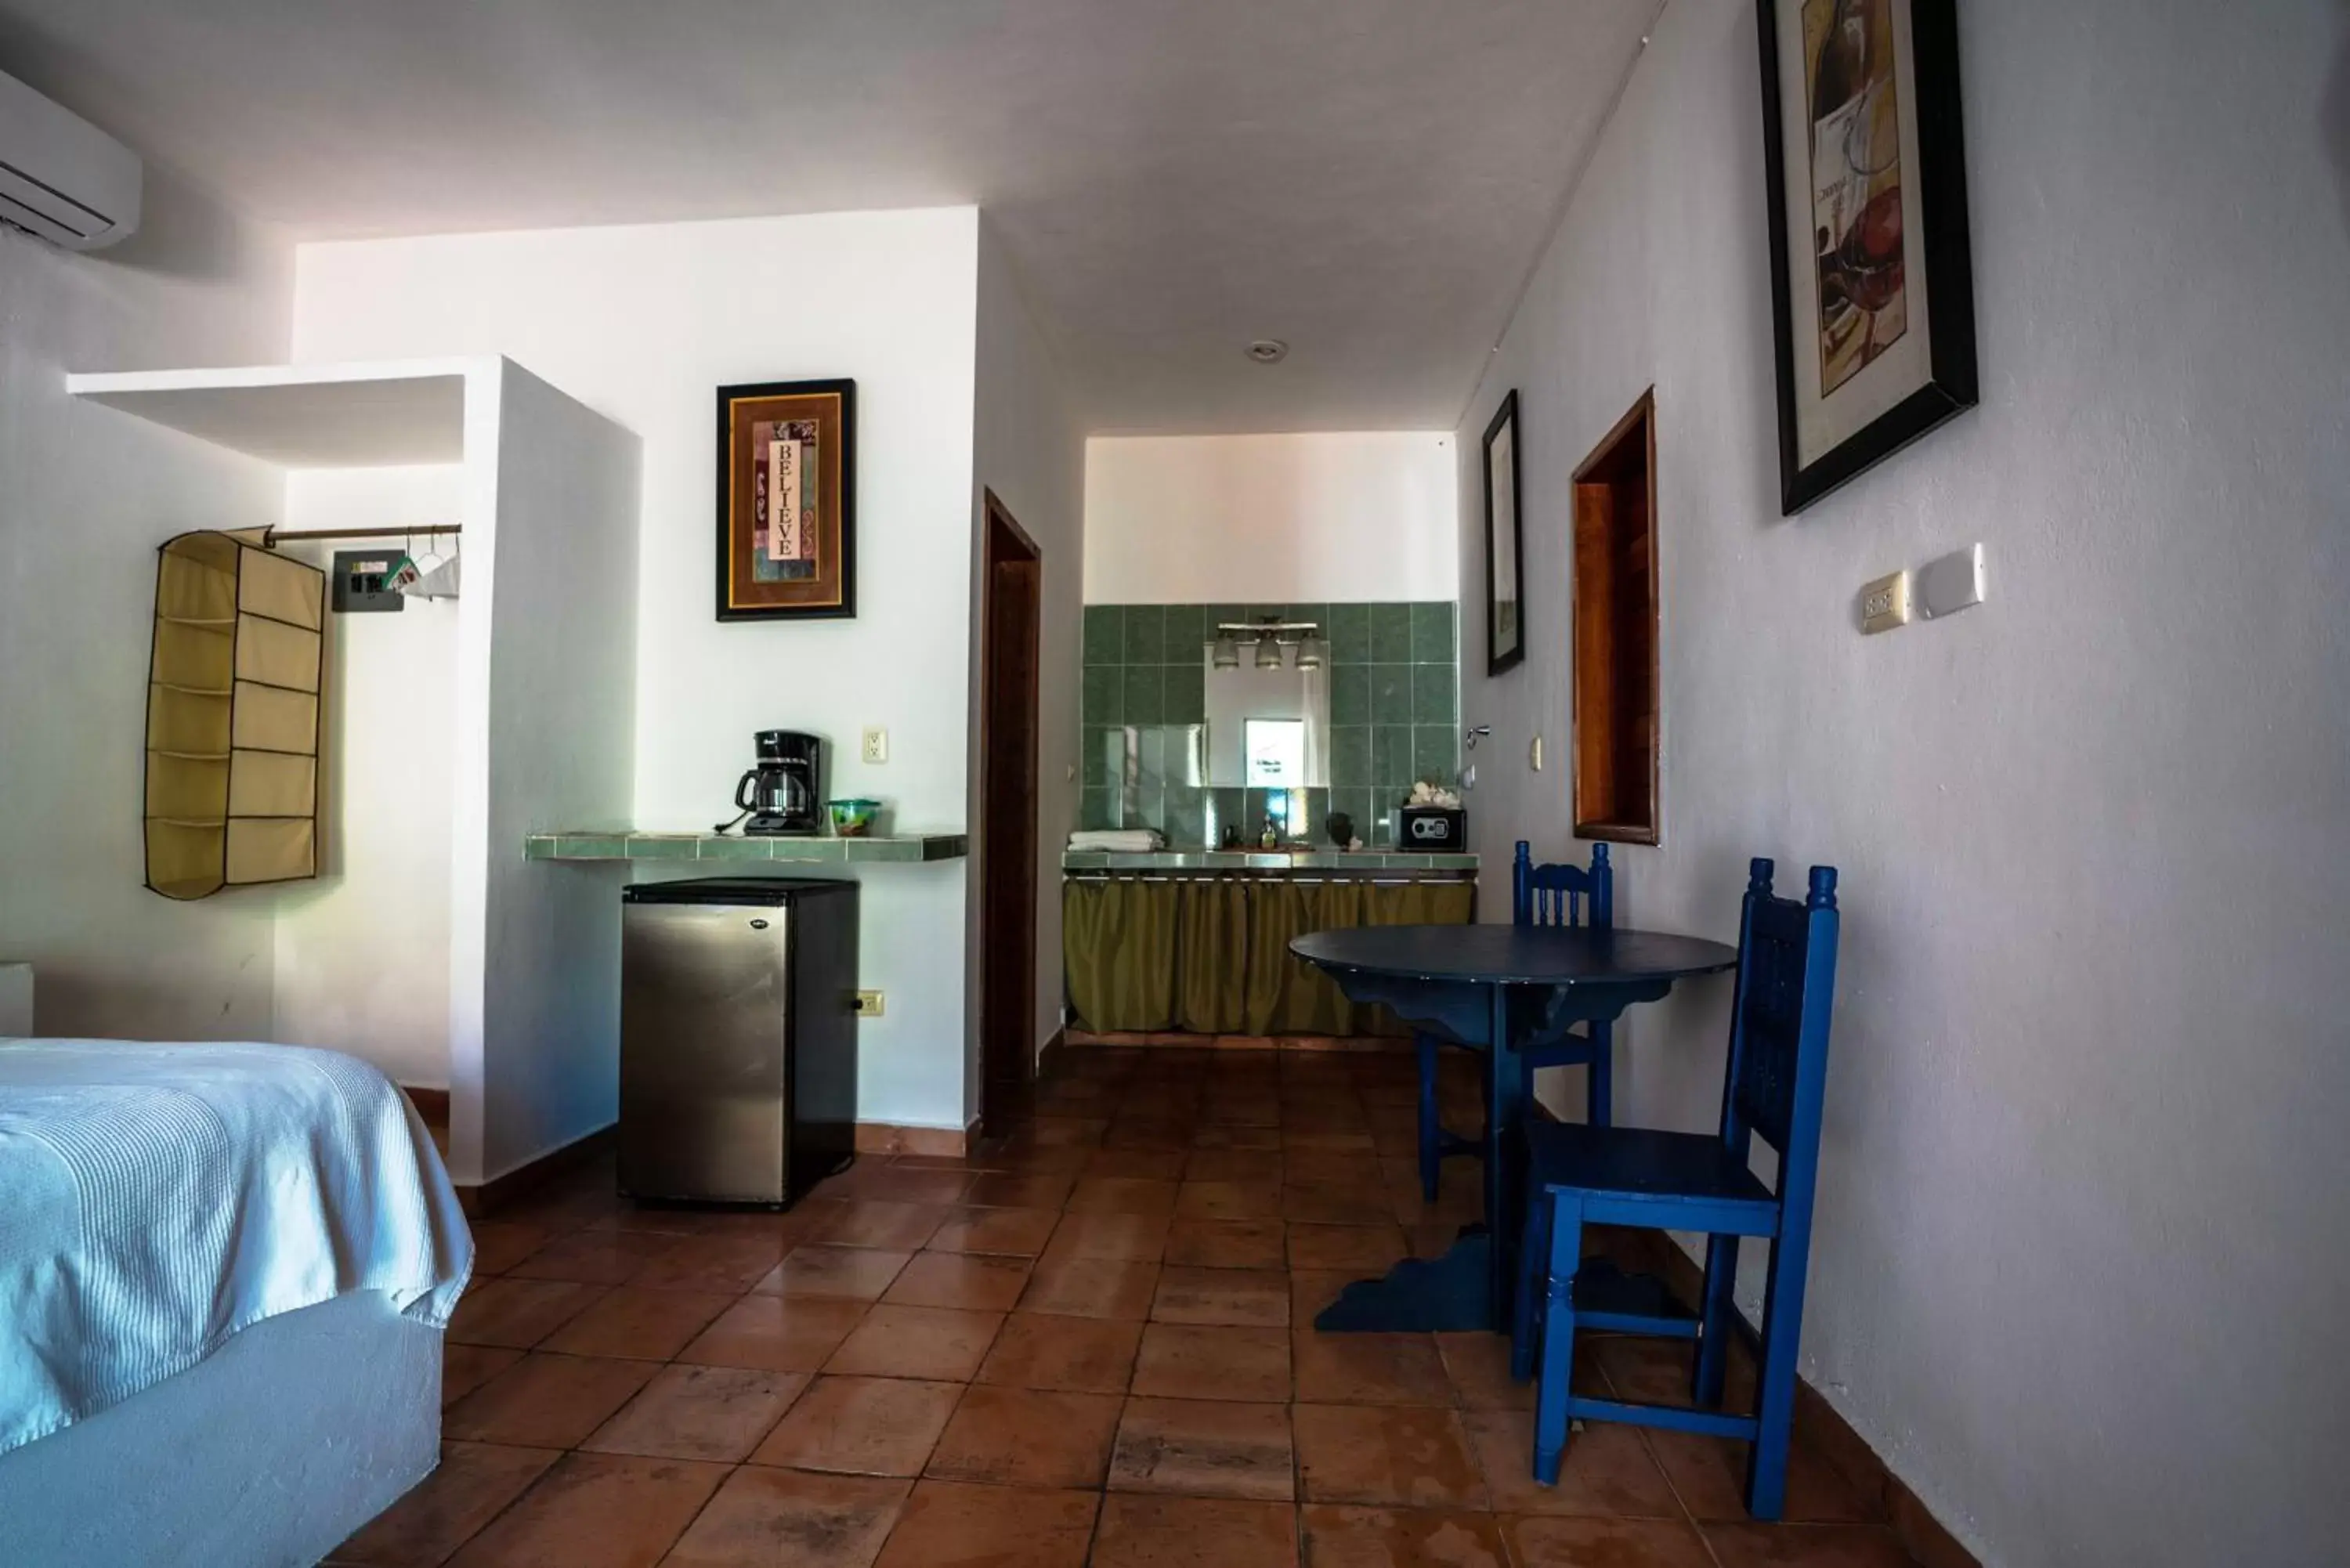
[224, 1270]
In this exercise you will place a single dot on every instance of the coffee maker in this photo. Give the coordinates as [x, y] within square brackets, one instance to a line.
[785, 793]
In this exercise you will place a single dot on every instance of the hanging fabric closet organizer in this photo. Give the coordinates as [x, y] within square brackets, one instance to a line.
[233, 716]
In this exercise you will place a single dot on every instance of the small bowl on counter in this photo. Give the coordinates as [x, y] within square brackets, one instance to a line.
[852, 819]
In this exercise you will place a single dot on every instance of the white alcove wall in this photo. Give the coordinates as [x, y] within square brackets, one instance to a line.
[524, 705]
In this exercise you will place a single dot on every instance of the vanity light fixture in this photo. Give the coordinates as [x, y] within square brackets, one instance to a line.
[1309, 657]
[1268, 653]
[1228, 653]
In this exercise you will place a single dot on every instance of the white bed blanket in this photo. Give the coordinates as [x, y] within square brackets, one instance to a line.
[156, 1199]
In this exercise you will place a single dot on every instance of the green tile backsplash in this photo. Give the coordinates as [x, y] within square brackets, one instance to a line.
[1394, 686]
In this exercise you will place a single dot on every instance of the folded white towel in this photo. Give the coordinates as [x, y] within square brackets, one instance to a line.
[1118, 840]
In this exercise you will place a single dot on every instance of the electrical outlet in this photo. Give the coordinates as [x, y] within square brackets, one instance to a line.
[1884, 603]
[877, 743]
[870, 1004]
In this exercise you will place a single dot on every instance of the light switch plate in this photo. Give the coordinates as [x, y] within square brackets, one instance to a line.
[1952, 583]
[877, 743]
[1884, 603]
[1534, 754]
[870, 1004]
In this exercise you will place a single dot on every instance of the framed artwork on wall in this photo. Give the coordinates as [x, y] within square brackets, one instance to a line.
[1872, 287]
[787, 500]
[1505, 621]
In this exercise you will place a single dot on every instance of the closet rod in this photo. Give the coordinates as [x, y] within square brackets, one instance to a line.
[274, 535]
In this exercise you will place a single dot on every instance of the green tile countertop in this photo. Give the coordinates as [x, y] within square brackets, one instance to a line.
[1265, 861]
[881, 849]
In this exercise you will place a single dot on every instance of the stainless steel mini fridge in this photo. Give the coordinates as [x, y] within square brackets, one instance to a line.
[738, 1037]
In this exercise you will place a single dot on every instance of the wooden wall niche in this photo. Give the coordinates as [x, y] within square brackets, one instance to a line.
[1615, 679]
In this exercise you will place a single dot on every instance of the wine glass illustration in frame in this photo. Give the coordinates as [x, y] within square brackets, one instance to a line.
[787, 500]
[1872, 285]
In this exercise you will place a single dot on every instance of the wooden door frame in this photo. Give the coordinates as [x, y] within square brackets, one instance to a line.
[1005, 544]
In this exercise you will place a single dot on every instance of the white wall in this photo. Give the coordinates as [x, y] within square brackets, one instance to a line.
[1269, 519]
[1029, 448]
[2080, 1257]
[543, 974]
[90, 493]
[643, 323]
[363, 953]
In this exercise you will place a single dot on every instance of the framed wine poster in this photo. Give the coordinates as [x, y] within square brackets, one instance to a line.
[1872, 283]
[1505, 625]
[787, 500]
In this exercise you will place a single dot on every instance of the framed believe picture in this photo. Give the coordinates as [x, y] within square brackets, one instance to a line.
[787, 500]
[1872, 287]
[1505, 622]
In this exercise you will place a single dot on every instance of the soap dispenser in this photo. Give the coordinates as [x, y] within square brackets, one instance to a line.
[1271, 837]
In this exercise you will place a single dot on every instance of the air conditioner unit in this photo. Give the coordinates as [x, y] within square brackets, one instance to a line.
[62, 177]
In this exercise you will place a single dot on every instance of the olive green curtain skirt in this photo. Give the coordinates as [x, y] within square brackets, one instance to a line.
[1211, 955]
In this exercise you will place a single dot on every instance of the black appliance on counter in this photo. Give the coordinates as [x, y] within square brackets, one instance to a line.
[738, 1037]
[785, 793]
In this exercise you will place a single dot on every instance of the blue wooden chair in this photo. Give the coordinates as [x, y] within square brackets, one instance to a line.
[1539, 895]
[1580, 1175]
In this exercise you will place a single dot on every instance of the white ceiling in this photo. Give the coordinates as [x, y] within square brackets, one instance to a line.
[1369, 179]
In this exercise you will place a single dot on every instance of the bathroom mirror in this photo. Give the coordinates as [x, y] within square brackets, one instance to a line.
[1263, 722]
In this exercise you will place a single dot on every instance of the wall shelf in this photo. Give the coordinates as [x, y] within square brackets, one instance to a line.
[895, 849]
[381, 414]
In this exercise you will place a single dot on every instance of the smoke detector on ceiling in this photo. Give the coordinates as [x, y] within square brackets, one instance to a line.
[1268, 350]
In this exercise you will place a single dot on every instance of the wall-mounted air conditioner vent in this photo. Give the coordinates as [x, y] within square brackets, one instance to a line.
[62, 177]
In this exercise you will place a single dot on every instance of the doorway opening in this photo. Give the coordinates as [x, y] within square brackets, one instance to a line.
[1011, 611]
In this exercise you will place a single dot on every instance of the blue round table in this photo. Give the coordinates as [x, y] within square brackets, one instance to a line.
[1490, 988]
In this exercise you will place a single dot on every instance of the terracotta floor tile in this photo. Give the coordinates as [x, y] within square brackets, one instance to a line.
[1074, 1355]
[916, 1342]
[1138, 1532]
[1198, 1361]
[1229, 1201]
[1371, 1369]
[1405, 1457]
[722, 1264]
[1559, 1542]
[977, 1281]
[596, 1511]
[1257, 1166]
[594, 1257]
[1320, 1168]
[1227, 1243]
[499, 1245]
[633, 1320]
[545, 1401]
[855, 1273]
[1607, 1471]
[916, 1184]
[1709, 1473]
[1136, 1238]
[1027, 1437]
[1256, 1298]
[1218, 1131]
[789, 1519]
[949, 1524]
[863, 1426]
[444, 1510]
[1091, 1287]
[517, 1313]
[715, 1413]
[1479, 1365]
[1012, 1189]
[1123, 1195]
[1336, 1205]
[1204, 1448]
[895, 1227]
[775, 1333]
[1752, 1545]
[1016, 1232]
[465, 1367]
[1363, 1249]
[1143, 1164]
[1311, 1290]
[1339, 1537]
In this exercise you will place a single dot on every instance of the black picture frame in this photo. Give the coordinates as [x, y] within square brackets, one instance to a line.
[730, 598]
[1950, 385]
[1498, 657]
